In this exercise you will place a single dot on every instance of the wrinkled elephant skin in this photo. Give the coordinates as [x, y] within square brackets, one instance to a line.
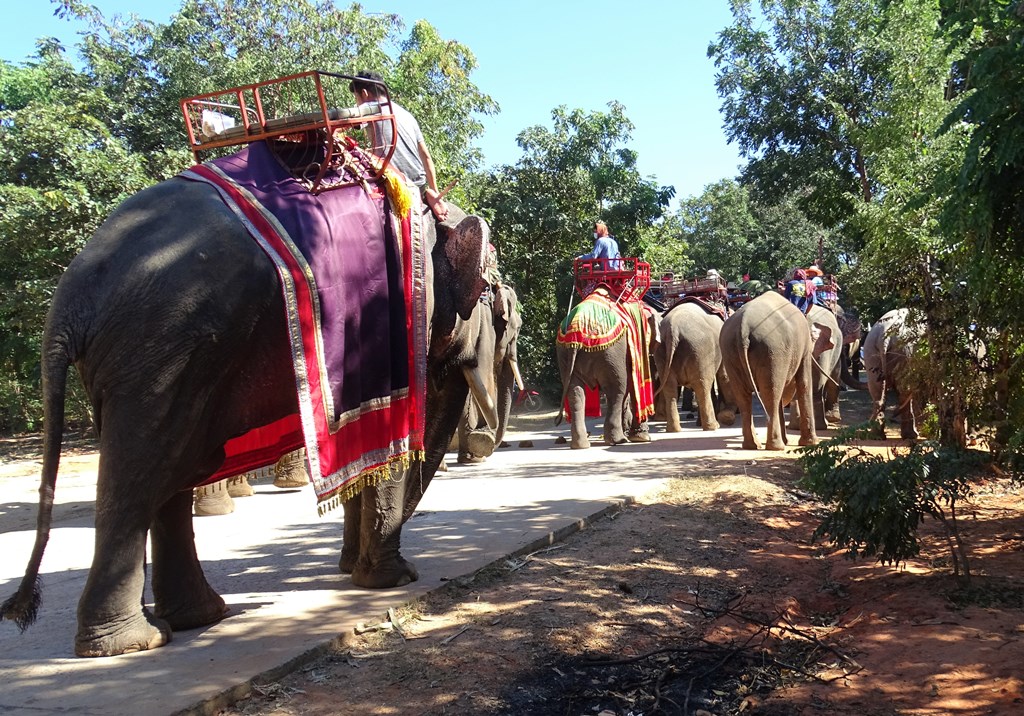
[499, 323]
[689, 356]
[887, 349]
[767, 349]
[175, 319]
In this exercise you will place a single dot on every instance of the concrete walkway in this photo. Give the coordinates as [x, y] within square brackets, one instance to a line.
[275, 563]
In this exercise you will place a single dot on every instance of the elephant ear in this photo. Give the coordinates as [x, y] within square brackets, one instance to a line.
[466, 248]
[505, 303]
[821, 338]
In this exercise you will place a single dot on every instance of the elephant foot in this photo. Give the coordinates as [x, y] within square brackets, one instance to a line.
[726, 418]
[580, 443]
[193, 614]
[710, 425]
[239, 486]
[384, 575]
[140, 633]
[751, 445]
[777, 445]
[348, 560]
[609, 440]
[480, 443]
[640, 437]
[808, 440]
[466, 458]
[290, 470]
[214, 499]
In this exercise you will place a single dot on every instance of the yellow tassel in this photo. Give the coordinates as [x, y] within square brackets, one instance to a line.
[398, 193]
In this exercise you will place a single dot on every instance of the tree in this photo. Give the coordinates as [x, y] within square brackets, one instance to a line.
[541, 212]
[76, 143]
[984, 194]
[61, 173]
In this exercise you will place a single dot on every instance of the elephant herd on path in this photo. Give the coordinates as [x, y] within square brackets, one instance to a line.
[767, 348]
[174, 319]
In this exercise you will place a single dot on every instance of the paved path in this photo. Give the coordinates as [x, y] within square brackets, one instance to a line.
[275, 563]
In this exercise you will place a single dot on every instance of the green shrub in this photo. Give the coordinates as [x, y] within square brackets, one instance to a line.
[875, 503]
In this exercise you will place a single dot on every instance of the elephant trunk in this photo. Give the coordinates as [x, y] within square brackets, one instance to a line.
[844, 373]
[482, 397]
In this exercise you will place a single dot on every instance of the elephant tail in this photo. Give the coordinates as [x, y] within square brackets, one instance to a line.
[23, 607]
[744, 355]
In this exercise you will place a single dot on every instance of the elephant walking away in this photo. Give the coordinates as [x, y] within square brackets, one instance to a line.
[689, 355]
[825, 372]
[887, 350]
[608, 344]
[176, 321]
[767, 350]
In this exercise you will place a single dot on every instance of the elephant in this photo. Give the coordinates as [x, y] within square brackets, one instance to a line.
[175, 320]
[767, 348]
[825, 374]
[600, 352]
[689, 355]
[887, 349]
[475, 440]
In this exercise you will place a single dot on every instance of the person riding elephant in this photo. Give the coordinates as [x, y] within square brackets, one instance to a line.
[689, 355]
[608, 343]
[767, 349]
[176, 321]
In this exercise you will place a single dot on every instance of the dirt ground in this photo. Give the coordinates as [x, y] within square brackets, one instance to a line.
[706, 598]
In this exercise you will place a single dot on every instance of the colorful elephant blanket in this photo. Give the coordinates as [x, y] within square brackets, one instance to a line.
[597, 322]
[352, 273]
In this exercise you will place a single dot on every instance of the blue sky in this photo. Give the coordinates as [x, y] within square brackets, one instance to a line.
[533, 56]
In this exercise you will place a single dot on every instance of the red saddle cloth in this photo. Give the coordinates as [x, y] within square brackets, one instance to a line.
[598, 322]
[341, 255]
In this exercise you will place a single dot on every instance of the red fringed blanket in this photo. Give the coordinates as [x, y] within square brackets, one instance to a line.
[353, 278]
[597, 322]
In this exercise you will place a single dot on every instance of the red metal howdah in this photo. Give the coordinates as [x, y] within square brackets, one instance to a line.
[308, 108]
[627, 279]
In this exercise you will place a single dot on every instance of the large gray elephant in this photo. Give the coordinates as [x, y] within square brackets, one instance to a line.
[688, 355]
[887, 349]
[767, 349]
[594, 350]
[825, 373]
[175, 319]
[475, 439]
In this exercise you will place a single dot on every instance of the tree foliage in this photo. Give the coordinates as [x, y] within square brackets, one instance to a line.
[75, 143]
[543, 208]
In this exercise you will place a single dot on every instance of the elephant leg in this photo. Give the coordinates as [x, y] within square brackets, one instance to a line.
[614, 433]
[908, 421]
[670, 402]
[184, 599]
[111, 617]
[353, 509]
[639, 431]
[877, 388]
[705, 405]
[577, 406]
[776, 438]
[380, 564]
[805, 395]
[794, 416]
[745, 403]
